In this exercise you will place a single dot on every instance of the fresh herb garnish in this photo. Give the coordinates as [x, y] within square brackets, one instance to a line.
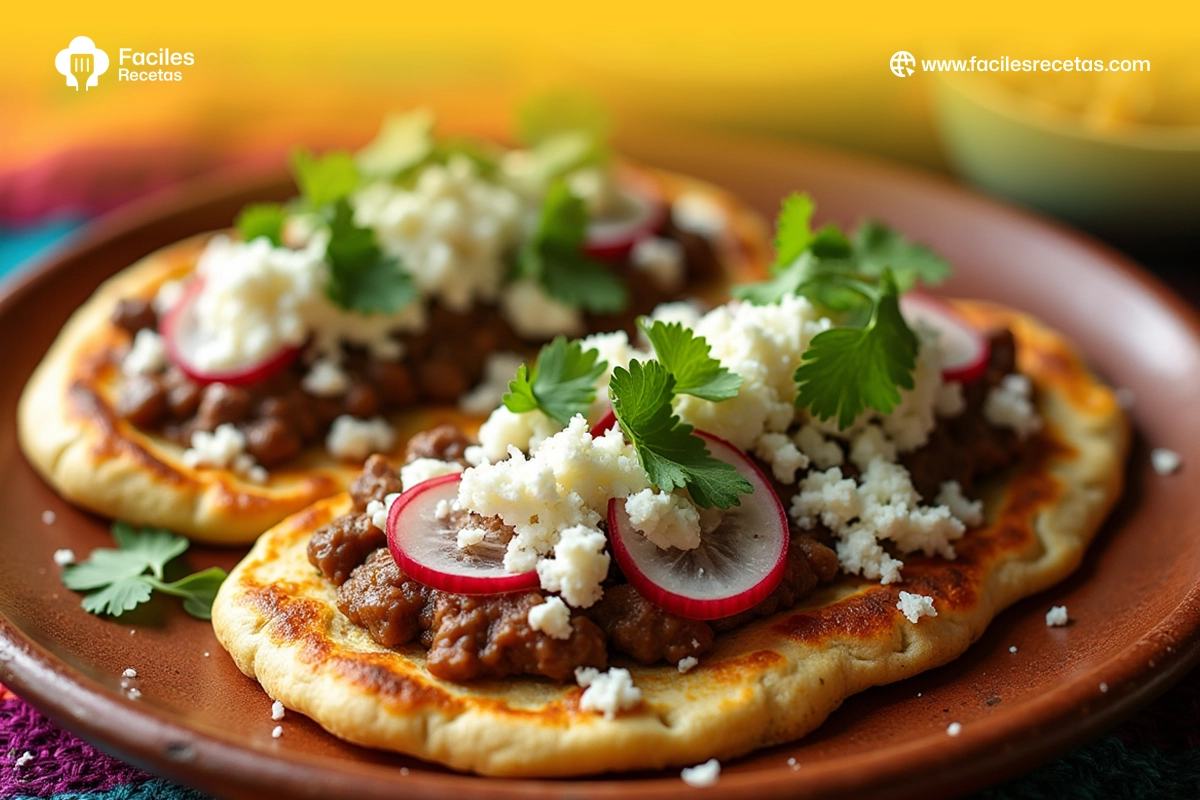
[326, 179]
[561, 384]
[262, 219]
[686, 357]
[878, 247]
[672, 455]
[846, 370]
[554, 257]
[404, 141]
[361, 277]
[119, 580]
[564, 131]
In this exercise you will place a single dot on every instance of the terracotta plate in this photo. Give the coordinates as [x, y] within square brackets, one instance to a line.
[1135, 601]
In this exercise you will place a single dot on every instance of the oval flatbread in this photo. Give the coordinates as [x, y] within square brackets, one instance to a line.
[767, 682]
[72, 435]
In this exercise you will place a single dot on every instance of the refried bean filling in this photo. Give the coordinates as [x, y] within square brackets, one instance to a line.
[279, 419]
[473, 637]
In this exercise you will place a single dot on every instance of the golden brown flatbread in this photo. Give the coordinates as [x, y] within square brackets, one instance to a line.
[71, 434]
[767, 682]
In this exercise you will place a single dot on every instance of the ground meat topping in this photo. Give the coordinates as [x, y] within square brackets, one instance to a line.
[132, 315]
[640, 629]
[444, 443]
[382, 599]
[337, 548]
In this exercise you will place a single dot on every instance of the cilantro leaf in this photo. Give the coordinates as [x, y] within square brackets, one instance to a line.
[793, 232]
[197, 590]
[565, 131]
[324, 180]
[361, 277]
[554, 257]
[262, 219]
[117, 597]
[672, 455]
[119, 577]
[878, 247]
[846, 370]
[404, 141]
[561, 384]
[686, 357]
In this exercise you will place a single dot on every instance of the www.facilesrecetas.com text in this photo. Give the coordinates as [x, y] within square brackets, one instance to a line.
[1006, 64]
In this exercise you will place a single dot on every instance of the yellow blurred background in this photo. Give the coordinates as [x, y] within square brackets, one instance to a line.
[269, 76]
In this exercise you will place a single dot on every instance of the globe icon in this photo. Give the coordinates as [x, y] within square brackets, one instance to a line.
[902, 64]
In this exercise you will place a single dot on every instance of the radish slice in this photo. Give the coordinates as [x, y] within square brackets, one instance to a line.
[426, 546]
[604, 423]
[737, 564]
[180, 338]
[965, 351]
[642, 213]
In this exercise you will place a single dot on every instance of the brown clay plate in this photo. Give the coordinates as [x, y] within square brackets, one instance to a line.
[1135, 600]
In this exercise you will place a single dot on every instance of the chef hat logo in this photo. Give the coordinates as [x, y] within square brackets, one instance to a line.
[81, 61]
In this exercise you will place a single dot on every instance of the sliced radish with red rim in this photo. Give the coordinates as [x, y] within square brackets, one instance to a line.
[605, 422]
[182, 339]
[735, 567]
[964, 350]
[641, 213]
[426, 546]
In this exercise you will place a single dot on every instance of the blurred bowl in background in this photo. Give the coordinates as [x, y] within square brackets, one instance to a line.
[1116, 153]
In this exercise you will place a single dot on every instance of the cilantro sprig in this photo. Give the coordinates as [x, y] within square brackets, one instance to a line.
[561, 384]
[846, 370]
[262, 219]
[668, 449]
[686, 357]
[116, 580]
[361, 277]
[858, 280]
[554, 257]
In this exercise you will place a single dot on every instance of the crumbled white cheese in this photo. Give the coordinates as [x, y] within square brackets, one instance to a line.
[615, 350]
[129, 673]
[425, 469]
[1012, 648]
[24, 759]
[64, 557]
[277, 710]
[277, 732]
[780, 453]
[565, 483]
[498, 372]
[469, 537]
[885, 506]
[49, 517]
[1056, 617]
[950, 400]
[504, 429]
[1010, 405]
[224, 448]
[698, 213]
[133, 692]
[951, 496]
[915, 606]
[687, 664]
[579, 566]
[823, 453]
[869, 444]
[1165, 461]
[954, 729]
[607, 692]
[379, 511]
[552, 618]
[914, 417]
[764, 345]
[325, 378]
[666, 519]
[1103, 688]
[686, 312]
[451, 230]
[535, 315]
[148, 356]
[701, 775]
[661, 259]
[167, 296]
[352, 439]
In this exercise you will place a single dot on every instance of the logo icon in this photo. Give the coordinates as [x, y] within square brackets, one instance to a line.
[902, 64]
[82, 63]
